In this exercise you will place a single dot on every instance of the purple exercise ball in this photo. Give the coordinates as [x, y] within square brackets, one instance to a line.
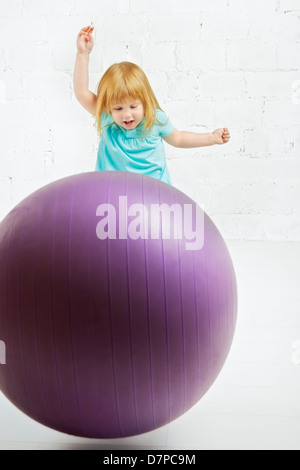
[115, 320]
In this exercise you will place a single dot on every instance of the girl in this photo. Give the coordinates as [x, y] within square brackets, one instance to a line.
[130, 121]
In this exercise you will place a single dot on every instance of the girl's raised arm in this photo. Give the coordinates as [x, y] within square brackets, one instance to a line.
[85, 44]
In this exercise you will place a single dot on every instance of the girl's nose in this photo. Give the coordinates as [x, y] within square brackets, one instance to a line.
[127, 115]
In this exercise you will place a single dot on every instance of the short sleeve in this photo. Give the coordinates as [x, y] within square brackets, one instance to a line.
[163, 123]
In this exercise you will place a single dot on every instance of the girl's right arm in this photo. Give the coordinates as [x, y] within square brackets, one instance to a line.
[85, 44]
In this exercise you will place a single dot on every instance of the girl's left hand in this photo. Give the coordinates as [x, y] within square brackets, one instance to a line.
[222, 135]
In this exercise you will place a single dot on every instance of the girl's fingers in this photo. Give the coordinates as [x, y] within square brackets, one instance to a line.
[86, 30]
[86, 34]
[226, 135]
[82, 31]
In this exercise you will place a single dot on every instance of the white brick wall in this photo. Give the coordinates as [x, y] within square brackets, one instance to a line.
[229, 63]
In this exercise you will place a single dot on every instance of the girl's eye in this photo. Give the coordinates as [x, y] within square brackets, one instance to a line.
[133, 106]
[118, 109]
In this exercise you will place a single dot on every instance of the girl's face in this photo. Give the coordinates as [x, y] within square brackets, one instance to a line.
[129, 114]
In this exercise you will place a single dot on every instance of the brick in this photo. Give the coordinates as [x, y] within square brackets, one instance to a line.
[288, 53]
[222, 85]
[11, 8]
[159, 57]
[278, 169]
[25, 183]
[2, 60]
[242, 226]
[174, 27]
[235, 168]
[45, 8]
[73, 161]
[122, 29]
[59, 113]
[44, 86]
[63, 58]
[238, 113]
[266, 197]
[94, 7]
[20, 30]
[159, 84]
[134, 53]
[276, 84]
[292, 227]
[64, 29]
[223, 25]
[38, 139]
[253, 8]
[167, 6]
[26, 112]
[3, 93]
[183, 86]
[12, 86]
[281, 112]
[112, 53]
[21, 58]
[257, 142]
[251, 55]
[82, 141]
[279, 26]
[227, 198]
[12, 138]
[201, 56]
[289, 5]
[186, 114]
[284, 142]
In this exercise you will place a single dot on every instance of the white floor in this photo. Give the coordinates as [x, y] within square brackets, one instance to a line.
[254, 403]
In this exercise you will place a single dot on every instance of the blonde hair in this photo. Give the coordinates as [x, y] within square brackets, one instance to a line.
[122, 82]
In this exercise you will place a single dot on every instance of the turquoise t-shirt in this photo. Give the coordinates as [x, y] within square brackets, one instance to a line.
[127, 150]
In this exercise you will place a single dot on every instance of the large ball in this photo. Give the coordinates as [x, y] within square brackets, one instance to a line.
[115, 319]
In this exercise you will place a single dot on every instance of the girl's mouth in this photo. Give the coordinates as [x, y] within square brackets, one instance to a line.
[128, 123]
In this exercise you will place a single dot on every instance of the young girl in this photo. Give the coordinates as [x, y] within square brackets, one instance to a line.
[130, 120]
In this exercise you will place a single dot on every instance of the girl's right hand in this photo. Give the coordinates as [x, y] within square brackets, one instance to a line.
[85, 40]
